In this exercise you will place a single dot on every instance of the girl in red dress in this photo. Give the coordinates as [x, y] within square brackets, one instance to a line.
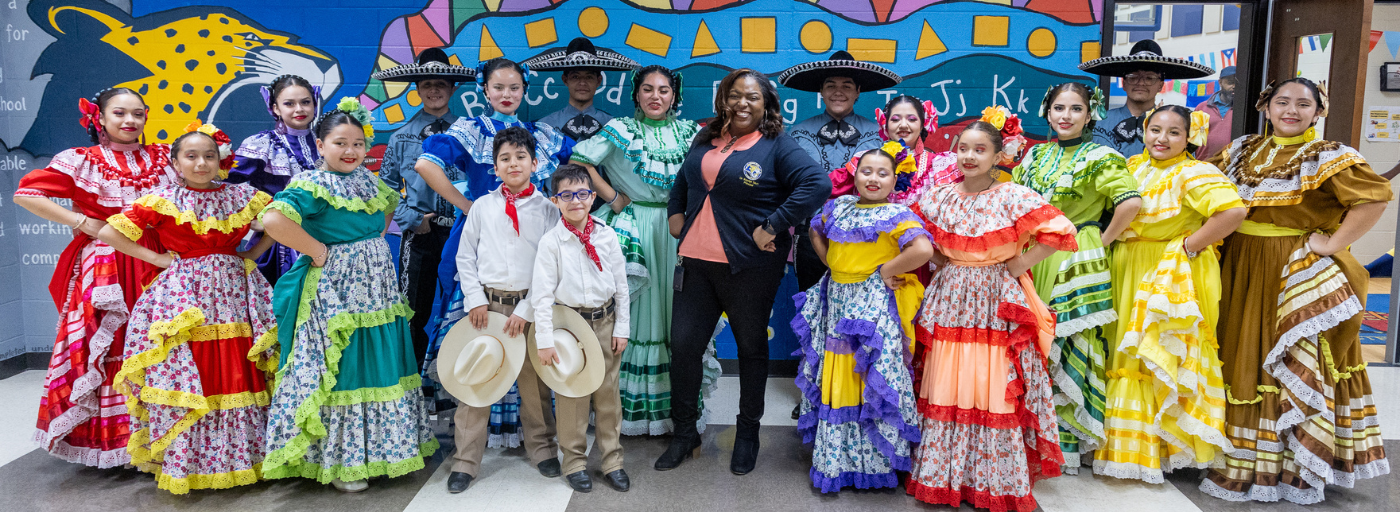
[200, 346]
[82, 418]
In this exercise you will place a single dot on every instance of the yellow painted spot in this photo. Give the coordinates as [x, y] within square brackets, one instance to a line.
[760, 35]
[385, 62]
[393, 114]
[1041, 42]
[452, 59]
[704, 42]
[593, 22]
[540, 33]
[648, 40]
[816, 37]
[1089, 50]
[493, 5]
[929, 43]
[488, 50]
[872, 50]
[990, 30]
[394, 89]
[413, 99]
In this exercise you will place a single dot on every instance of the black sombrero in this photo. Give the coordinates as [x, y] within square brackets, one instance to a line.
[1146, 55]
[581, 55]
[432, 65]
[811, 75]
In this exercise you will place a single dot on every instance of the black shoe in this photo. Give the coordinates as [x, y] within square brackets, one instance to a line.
[745, 454]
[580, 481]
[618, 480]
[797, 411]
[458, 482]
[683, 446]
[550, 468]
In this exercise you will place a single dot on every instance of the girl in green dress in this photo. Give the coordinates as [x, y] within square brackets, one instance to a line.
[642, 155]
[346, 405]
[1089, 183]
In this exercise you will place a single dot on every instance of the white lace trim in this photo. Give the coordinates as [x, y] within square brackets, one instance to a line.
[1078, 325]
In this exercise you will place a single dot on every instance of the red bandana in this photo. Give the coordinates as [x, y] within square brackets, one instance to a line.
[583, 236]
[510, 203]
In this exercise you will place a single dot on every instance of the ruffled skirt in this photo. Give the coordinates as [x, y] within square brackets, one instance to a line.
[1077, 288]
[858, 407]
[989, 427]
[346, 403]
[199, 359]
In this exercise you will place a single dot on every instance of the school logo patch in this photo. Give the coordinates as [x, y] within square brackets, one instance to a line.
[753, 171]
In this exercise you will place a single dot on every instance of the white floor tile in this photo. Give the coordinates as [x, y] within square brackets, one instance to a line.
[1087, 493]
[781, 396]
[507, 483]
[1385, 389]
[19, 398]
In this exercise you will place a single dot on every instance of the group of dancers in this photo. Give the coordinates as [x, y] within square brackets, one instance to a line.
[972, 320]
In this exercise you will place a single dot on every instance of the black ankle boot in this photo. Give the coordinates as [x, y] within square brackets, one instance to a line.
[685, 443]
[745, 452]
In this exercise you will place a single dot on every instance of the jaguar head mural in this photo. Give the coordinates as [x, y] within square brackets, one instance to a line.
[204, 62]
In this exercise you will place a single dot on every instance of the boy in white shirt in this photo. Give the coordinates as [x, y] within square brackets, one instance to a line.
[580, 265]
[499, 238]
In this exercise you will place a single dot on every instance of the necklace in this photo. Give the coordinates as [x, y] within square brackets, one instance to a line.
[102, 157]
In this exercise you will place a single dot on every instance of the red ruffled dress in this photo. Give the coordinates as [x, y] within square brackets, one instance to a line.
[989, 428]
[81, 417]
[201, 343]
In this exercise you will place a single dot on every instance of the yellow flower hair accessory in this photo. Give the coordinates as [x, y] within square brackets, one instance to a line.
[1200, 129]
[221, 140]
[904, 165]
[995, 115]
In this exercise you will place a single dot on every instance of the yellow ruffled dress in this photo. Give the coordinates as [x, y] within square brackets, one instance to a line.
[1166, 396]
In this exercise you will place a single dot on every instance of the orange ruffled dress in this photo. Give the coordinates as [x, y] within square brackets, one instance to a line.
[989, 430]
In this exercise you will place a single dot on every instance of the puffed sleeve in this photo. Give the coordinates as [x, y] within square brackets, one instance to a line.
[137, 218]
[908, 230]
[296, 204]
[1113, 180]
[1046, 224]
[594, 150]
[823, 217]
[49, 181]
[444, 151]
[1358, 184]
[1211, 196]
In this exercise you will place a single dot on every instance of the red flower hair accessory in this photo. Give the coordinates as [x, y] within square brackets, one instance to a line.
[92, 116]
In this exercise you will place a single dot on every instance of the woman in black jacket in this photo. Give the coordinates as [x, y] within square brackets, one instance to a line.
[742, 186]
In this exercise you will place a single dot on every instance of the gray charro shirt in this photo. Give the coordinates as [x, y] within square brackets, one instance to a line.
[559, 120]
[397, 170]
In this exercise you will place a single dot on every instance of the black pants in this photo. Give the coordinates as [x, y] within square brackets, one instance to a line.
[708, 290]
[810, 268]
[419, 256]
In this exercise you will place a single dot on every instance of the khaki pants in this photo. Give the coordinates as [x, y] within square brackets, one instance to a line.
[536, 415]
[607, 408]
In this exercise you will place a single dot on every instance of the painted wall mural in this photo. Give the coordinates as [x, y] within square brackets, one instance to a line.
[206, 60]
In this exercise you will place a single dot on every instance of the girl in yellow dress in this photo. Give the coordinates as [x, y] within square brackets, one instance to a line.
[854, 328]
[1166, 397]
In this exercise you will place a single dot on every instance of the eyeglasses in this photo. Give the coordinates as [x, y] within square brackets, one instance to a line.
[577, 195]
[1136, 78]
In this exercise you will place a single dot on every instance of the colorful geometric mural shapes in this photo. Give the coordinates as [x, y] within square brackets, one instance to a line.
[492, 5]
[705, 5]
[654, 4]
[462, 12]
[1071, 11]
[393, 114]
[412, 98]
[645, 39]
[929, 43]
[540, 33]
[872, 50]
[816, 36]
[882, 9]
[593, 22]
[488, 50]
[422, 35]
[990, 30]
[395, 43]
[439, 15]
[368, 102]
[523, 5]
[704, 42]
[1089, 50]
[759, 35]
[1041, 42]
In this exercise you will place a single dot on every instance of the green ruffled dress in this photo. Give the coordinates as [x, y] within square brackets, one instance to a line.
[346, 403]
[1086, 181]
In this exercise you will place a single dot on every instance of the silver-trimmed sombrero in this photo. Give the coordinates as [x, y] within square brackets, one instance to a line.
[1147, 55]
[809, 76]
[581, 55]
[432, 65]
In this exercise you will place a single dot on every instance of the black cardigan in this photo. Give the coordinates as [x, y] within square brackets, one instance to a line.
[775, 180]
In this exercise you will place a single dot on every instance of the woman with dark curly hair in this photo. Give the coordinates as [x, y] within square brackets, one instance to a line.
[742, 185]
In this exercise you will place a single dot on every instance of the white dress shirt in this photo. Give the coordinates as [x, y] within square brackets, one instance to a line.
[492, 255]
[564, 274]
